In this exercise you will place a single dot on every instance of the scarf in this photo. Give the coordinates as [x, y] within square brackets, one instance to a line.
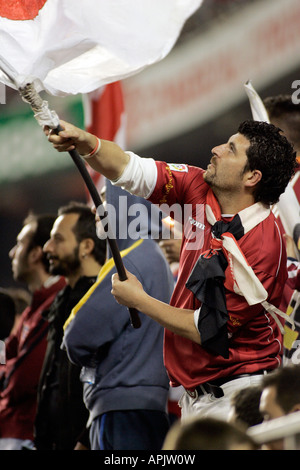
[207, 280]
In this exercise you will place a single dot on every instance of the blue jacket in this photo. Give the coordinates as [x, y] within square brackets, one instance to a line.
[122, 367]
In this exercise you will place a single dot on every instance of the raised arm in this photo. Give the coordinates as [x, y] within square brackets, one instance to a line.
[131, 294]
[107, 157]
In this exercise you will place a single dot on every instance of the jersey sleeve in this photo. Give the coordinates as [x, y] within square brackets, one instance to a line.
[139, 177]
[160, 182]
[178, 183]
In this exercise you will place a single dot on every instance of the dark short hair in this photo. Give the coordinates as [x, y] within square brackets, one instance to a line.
[279, 105]
[284, 112]
[272, 154]
[85, 227]
[286, 381]
[208, 434]
[41, 233]
[246, 404]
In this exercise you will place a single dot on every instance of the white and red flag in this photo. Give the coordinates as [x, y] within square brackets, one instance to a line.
[74, 46]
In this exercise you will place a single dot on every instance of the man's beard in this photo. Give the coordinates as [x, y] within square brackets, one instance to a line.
[209, 175]
[209, 179]
[66, 266]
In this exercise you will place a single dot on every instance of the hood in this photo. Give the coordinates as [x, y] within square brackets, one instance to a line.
[130, 217]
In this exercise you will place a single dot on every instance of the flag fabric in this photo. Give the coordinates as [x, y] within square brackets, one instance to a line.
[258, 110]
[104, 116]
[74, 46]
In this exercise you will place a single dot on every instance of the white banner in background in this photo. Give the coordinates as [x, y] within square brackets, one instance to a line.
[204, 76]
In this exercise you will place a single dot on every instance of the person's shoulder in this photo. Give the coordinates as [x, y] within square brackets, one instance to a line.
[180, 168]
[271, 224]
[147, 257]
[145, 251]
[267, 231]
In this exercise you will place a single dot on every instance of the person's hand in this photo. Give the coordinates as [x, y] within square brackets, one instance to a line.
[71, 137]
[80, 446]
[171, 249]
[129, 292]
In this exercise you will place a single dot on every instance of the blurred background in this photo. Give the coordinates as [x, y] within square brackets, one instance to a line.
[176, 110]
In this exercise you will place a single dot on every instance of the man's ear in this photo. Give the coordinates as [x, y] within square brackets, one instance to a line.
[252, 178]
[36, 254]
[86, 246]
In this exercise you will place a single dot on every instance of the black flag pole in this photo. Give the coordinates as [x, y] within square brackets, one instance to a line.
[47, 117]
[134, 316]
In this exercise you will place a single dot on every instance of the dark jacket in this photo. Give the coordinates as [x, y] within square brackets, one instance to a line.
[61, 414]
[24, 359]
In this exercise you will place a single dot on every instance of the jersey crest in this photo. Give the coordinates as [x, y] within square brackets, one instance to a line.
[178, 167]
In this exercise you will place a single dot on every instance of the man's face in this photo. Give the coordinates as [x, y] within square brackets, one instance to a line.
[270, 409]
[19, 254]
[225, 171]
[62, 248]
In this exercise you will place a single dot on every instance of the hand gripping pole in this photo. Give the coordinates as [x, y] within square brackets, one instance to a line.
[45, 117]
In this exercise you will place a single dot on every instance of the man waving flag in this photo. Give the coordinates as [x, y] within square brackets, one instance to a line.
[71, 46]
[68, 47]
